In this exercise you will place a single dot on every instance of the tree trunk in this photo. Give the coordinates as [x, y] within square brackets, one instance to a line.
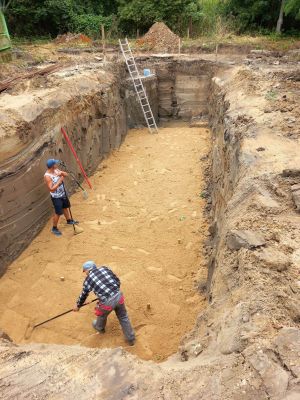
[191, 26]
[280, 18]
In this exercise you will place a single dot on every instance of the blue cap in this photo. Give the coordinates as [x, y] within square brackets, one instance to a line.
[88, 265]
[52, 162]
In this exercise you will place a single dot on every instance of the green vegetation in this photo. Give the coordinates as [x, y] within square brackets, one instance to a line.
[185, 17]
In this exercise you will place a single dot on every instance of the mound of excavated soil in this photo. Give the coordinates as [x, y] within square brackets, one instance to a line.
[72, 38]
[160, 38]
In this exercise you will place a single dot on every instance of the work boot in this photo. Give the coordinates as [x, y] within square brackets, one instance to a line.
[56, 231]
[94, 323]
[72, 222]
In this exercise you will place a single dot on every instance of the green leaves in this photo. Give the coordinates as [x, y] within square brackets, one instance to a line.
[203, 17]
[292, 7]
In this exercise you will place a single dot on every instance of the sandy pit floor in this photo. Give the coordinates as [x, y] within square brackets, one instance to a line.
[144, 219]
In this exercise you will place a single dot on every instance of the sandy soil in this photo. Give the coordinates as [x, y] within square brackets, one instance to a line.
[144, 219]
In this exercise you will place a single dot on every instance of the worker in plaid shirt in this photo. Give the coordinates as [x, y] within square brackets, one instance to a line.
[106, 286]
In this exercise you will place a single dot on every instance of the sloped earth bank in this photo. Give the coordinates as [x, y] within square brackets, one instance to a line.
[245, 344]
[144, 219]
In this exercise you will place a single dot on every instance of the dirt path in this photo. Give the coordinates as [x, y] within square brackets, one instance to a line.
[143, 219]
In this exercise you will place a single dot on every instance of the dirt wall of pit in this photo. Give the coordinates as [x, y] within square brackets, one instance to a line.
[182, 85]
[253, 310]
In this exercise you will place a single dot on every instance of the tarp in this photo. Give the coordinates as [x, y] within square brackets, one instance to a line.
[4, 35]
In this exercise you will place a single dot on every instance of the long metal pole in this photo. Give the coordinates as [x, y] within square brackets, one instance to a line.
[60, 315]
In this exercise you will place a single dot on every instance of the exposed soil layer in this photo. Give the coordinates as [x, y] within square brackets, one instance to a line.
[144, 219]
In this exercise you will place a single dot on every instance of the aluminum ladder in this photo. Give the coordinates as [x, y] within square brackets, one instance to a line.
[138, 85]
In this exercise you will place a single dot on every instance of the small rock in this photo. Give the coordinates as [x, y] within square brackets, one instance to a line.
[295, 188]
[274, 377]
[288, 345]
[267, 110]
[184, 355]
[260, 149]
[148, 306]
[198, 349]
[5, 336]
[293, 172]
[179, 241]
[293, 306]
[273, 259]
[296, 199]
[62, 278]
[237, 239]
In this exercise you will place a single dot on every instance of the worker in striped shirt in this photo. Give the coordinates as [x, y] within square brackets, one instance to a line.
[106, 286]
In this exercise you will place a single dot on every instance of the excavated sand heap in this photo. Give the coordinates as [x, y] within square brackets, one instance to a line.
[160, 38]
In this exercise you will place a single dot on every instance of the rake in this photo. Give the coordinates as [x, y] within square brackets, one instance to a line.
[31, 327]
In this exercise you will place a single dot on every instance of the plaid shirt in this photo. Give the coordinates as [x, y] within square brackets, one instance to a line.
[102, 281]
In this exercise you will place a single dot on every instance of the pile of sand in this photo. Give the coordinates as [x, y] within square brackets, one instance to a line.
[72, 38]
[160, 38]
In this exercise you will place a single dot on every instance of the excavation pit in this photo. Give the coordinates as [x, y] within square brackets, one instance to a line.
[242, 342]
[144, 218]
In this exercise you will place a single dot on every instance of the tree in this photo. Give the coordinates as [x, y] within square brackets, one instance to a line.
[50, 17]
[280, 18]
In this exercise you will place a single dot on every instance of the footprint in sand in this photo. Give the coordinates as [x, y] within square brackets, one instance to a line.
[117, 248]
[174, 278]
[143, 251]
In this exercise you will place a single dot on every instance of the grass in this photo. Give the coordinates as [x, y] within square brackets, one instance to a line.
[271, 95]
[25, 41]
[271, 42]
[258, 42]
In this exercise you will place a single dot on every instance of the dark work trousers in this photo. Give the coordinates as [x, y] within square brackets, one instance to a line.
[116, 303]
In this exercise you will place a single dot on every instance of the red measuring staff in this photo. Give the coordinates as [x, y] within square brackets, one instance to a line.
[76, 156]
